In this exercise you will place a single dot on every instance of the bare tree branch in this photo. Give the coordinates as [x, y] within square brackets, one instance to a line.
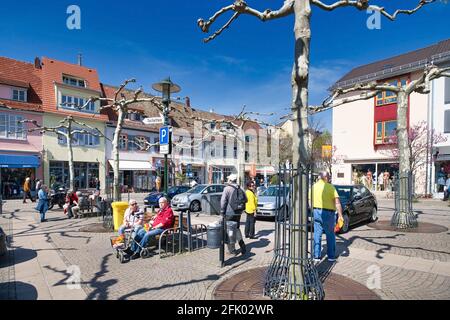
[241, 7]
[365, 5]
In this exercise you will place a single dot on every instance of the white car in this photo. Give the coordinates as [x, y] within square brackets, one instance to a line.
[192, 199]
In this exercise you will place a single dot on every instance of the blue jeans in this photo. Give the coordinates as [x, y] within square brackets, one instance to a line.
[324, 221]
[143, 237]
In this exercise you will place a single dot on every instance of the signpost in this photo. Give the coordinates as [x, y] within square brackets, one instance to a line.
[164, 140]
[157, 120]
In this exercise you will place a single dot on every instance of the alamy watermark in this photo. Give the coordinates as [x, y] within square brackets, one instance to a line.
[374, 20]
[74, 20]
[374, 279]
[74, 281]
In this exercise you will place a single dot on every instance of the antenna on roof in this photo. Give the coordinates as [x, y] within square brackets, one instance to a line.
[80, 59]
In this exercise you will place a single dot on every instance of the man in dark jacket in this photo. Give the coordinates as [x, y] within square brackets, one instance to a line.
[230, 214]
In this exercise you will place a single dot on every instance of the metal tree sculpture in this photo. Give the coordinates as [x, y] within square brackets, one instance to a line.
[67, 130]
[403, 217]
[120, 104]
[301, 9]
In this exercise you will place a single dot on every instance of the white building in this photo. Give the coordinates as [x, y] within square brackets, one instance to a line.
[362, 130]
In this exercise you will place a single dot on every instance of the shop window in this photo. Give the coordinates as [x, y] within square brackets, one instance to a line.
[385, 132]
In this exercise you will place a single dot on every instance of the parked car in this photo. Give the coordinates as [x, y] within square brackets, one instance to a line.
[358, 205]
[153, 198]
[192, 199]
[268, 205]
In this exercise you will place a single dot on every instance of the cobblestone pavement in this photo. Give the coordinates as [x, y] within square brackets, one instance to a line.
[410, 265]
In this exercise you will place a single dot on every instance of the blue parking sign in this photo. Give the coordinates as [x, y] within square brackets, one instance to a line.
[164, 135]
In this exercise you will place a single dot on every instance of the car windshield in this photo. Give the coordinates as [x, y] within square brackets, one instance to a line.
[173, 189]
[344, 192]
[197, 189]
[274, 191]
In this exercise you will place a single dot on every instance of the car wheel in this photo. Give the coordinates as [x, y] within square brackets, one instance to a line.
[374, 215]
[195, 206]
[346, 225]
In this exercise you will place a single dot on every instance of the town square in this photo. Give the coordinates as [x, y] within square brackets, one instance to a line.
[243, 151]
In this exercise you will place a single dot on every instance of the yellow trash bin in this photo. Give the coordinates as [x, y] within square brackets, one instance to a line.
[119, 208]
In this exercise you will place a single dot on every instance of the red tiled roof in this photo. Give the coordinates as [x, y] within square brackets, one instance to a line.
[20, 105]
[23, 73]
[53, 71]
[14, 83]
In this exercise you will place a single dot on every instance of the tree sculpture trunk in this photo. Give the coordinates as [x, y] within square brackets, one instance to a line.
[300, 76]
[70, 156]
[115, 144]
[403, 216]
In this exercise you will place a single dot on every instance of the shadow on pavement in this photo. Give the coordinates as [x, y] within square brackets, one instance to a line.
[23, 291]
[20, 255]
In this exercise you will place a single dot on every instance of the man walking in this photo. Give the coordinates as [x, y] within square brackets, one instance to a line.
[250, 210]
[325, 202]
[27, 190]
[232, 204]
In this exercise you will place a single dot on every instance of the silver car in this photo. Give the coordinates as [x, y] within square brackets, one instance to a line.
[268, 205]
[192, 199]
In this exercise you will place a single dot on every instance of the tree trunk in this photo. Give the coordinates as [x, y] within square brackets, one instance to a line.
[70, 156]
[300, 76]
[115, 145]
[403, 216]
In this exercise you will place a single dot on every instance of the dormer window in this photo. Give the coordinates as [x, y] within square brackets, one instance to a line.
[19, 95]
[77, 82]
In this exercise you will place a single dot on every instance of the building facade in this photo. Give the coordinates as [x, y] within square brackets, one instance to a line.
[367, 144]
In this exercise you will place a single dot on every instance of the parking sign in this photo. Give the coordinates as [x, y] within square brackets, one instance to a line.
[164, 140]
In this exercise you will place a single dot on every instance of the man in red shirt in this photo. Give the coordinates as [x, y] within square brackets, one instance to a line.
[162, 221]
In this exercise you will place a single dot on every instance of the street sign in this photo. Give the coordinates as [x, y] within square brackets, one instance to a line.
[190, 174]
[164, 140]
[157, 120]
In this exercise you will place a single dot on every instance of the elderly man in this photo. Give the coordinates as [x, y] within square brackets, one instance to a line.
[162, 221]
[232, 204]
[325, 202]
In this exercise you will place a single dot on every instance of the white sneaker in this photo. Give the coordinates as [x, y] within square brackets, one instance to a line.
[316, 260]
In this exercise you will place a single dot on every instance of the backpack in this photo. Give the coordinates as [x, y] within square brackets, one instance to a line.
[238, 199]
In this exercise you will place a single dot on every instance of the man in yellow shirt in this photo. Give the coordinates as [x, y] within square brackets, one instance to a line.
[325, 203]
[250, 210]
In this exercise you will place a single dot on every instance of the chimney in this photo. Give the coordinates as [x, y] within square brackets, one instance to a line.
[37, 63]
[80, 59]
[188, 102]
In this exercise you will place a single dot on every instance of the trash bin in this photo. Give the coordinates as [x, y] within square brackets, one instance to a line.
[213, 235]
[119, 208]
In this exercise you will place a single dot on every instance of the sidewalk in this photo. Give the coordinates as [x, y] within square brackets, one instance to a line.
[48, 255]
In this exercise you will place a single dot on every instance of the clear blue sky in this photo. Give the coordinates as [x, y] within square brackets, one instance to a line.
[250, 63]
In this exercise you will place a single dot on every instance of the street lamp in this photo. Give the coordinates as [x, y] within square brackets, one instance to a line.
[166, 87]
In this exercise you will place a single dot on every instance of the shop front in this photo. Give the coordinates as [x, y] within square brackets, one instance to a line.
[14, 169]
[135, 176]
[86, 174]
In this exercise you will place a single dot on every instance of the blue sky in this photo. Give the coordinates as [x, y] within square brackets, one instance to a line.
[249, 64]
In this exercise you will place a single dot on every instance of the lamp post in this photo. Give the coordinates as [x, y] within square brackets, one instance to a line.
[166, 87]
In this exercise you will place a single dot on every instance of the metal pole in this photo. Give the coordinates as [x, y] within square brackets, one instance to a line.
[222, 245]
[166, 123]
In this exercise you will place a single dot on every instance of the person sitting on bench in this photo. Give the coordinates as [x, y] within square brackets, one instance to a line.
[162, 221]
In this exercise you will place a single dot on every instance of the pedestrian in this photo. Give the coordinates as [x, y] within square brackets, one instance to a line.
[250, 210]
[42, 205]
[325, 202]
[72, 201]
[232, 204]
[27, 190]
[441, 179]
[381, 182]
[386, 177]
[447, 188]
[38, 185]
[369, 177]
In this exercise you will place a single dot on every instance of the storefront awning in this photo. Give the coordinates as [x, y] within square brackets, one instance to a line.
[16, 161]
[129, 165]
[267, 170]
